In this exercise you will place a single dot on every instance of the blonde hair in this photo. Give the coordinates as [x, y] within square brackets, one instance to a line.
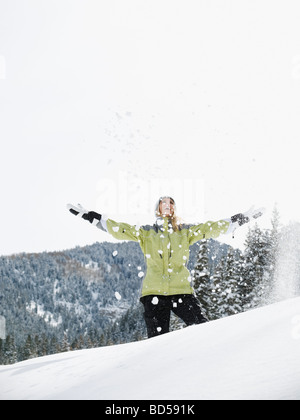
[175, 220]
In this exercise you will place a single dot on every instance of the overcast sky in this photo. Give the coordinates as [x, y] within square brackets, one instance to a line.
[111, 103]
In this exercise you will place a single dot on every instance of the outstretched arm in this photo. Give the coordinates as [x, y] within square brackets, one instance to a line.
[226, 226]
[121, 231]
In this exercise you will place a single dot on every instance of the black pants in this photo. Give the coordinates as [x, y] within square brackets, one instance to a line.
[158, 311]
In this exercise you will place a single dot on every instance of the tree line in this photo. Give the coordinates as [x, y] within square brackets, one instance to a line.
[126, 329]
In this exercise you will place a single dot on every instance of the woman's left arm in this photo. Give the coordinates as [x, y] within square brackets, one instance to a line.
[122, 231]
[208, 230]
[214, 229]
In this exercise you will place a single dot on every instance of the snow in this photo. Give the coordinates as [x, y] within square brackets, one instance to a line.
[253, 355]
[154, 301]
[118, 296]
[46, 315]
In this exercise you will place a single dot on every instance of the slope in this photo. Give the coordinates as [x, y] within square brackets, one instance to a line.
[253, 355]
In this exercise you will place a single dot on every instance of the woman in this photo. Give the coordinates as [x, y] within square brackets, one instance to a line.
[167, 285]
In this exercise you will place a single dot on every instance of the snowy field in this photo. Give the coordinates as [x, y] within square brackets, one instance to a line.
[253, 355]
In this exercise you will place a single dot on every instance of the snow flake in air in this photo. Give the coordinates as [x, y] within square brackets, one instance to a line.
[115, 253]
[118, 296]
[154, 301]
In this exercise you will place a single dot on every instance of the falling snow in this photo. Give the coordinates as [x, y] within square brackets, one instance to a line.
[154, 301]
[118, 296]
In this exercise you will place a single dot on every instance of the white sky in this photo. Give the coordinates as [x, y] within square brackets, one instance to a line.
[112, 103]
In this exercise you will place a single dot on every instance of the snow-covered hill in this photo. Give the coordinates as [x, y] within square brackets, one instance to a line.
[253, 355]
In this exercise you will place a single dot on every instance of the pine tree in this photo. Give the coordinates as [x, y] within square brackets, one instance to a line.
[37, 346]
[10, 351]
[201, 278]
[238, 272]
[225, 294]
[65, 343]
[102, 340]
[215, 291]
[54, 346]
[231, 300]
[44, 346]
[257, 274]
[28, 350]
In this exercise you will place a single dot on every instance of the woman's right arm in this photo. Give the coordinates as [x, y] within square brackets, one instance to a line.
[121, 231]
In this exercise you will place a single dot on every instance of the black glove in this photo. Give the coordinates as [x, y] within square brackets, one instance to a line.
[78, 210]
[242, 218]
[91, 216]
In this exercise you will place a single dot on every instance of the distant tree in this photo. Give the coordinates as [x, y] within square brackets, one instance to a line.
[10, 350]
[28, 350]
[54, 345]
[227, 277]
[201, 278]
[44, 345]
[258, 268]
[65, 346]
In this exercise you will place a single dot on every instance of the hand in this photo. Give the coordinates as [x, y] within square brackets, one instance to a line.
[242, 218]
[92, 217]
[78, 210]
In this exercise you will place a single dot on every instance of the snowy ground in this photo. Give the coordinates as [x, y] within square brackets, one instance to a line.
[254, 355]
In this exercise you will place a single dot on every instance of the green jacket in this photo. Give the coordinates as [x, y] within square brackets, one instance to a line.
[166, 252]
